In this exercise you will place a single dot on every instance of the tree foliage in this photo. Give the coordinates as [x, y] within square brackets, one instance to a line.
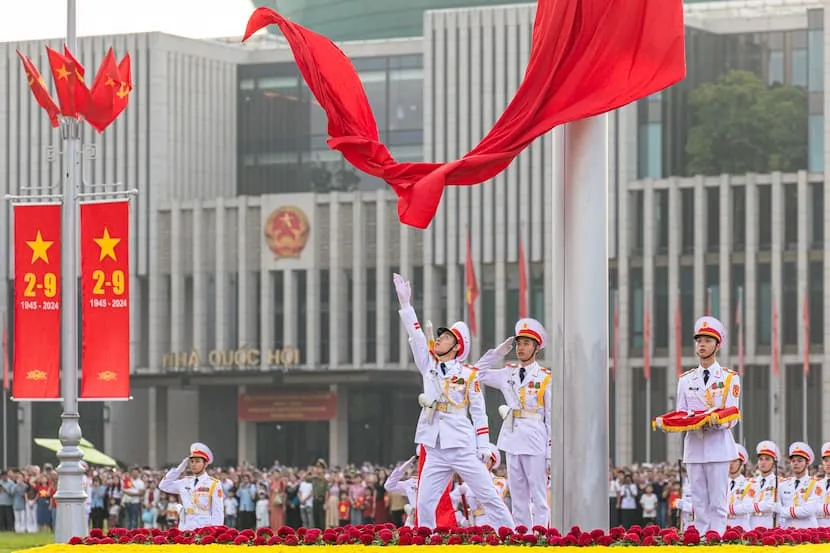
[740, 125]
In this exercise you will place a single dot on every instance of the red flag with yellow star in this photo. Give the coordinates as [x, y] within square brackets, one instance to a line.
[110, 91]
[37, 301]
[39, 90]
[65, 75]
[105, 300]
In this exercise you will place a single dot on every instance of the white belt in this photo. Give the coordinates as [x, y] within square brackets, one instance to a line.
[449, 408]
[526, 414]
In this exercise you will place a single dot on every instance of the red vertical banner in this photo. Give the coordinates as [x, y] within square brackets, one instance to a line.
[37, 301]
[472, 289]
[806, 319]
[105, 300]
[646, 340]
[678, 339]
[776, 367]
[522, 280]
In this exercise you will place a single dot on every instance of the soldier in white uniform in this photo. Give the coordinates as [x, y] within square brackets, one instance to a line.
[823, 506]
[760, 498]
[708, 451]
[200, 495]
[402, 482]
[525, 432]
[476, 514]
[738, 487]
[452, 443]
[797, 494]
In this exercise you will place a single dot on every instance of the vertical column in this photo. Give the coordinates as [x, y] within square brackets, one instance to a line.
[803, 287]
[266, 313]
[358, 319]
[245, 280]
[624, 416]
[778, 387]
[585, 343]
[312, 314]
[177, 299]
[751, 270]
[336, 304]
[649, 295]
[383, 279]
[158, 307]
[246, 447]
[700, 247]
[289, 309]
[339, 428]
[220, 272]
[200, 338]
[727, 315]
[24, 433]
[673, 441]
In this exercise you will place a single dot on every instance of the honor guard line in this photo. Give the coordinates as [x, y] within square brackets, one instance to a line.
[70, 497]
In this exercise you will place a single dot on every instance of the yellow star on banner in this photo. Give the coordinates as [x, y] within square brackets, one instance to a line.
[107, 245]
[39, 248]
[62, 72]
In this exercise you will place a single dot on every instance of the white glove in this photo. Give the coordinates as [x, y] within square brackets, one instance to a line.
[403, 289]
[505, 347]
[483, 454]
[769, 507]
[183, 465]
[463, 489]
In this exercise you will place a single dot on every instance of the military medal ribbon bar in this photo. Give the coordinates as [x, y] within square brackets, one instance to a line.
[105, 300]
[37, 301]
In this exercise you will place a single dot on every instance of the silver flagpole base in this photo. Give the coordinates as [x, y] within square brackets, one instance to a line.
[71, 498]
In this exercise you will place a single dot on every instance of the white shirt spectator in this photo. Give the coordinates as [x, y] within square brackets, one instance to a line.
[306, 494]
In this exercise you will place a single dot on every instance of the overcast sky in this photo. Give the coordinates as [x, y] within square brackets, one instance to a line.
[30, 19]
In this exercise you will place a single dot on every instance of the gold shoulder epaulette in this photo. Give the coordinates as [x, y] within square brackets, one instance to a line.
[511, 365]
[688, 372]
[544, 370]
[471, 367]
[729, 370]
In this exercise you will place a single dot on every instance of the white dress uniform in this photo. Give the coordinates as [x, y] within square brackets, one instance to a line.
[823, 506]
[200, 496]
[738, 488]
[707, 452]
[798, 496]
[687, 509]
[760, 500]
[452, 442]
[464, 498]
[525, 432]
[396, 483]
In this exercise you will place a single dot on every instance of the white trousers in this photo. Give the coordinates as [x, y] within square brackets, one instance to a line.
[527, 476]
[709, 488]
[439, 467]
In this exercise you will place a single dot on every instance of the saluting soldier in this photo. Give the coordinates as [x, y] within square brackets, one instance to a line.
[799, 493]
[823, 506]
[200, 494]
[525, 432]
[738, 487]
[708, 451]
[452, 444]
[404, 481]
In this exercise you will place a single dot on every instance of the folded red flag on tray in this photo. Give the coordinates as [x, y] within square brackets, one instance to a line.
[683, 421]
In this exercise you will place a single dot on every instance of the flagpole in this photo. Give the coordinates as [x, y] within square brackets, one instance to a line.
[741, 355]
[648, 420]
[70, 496]
[804, 404]
[5, 395]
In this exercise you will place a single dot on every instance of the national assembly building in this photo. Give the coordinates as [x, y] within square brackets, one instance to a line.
[264, 321]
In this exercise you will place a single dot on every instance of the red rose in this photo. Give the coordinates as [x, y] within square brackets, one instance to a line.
[107, 541]
[138, 538]
[492, 539]
[455, 540]
[285, 531]
[605, 541]
[342, 539]
[539, 529]
[597, 533]
[159, 540]
[551, 532]
[386, 535]
[505, 532]
[240, 540]
[310, 539]
[96, 533]
[424, 531]
[555, 541]
[670, 539]
[691, 538]
[435, 539]
[568, 540]
[90, 541]
[75, 540]
[617, 532]
[769, 541]
[207, 540]
[290, 540]
[475, 539]
[441, 530]
[575, 531]
[529, 539]
[418, 540]
[366, 539]
[585, 540]
[405, 539]
[633, 537]
[521, 529]
[712, 537]
[259, 540]
[649, 540]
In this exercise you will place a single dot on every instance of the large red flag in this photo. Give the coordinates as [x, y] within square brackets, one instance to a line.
[471, 289]
[587, 57]
[522, 280]
[444, 512]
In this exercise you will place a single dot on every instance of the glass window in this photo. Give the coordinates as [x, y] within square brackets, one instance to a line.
[651, 150]
[637, 223]
[791, 216]
[815, 142]
[371, 316]
[487, 318]
[815, 56]
[660, 313]
[764, 217]
[798, 67]
[687, 212]
[775, 67]
[394, 323]
[817, 215]
[764, 313]
[406, 99]
[687, 303]
[789, 321]
[739, 218]
[278, 341]
[816, 302]
[661, 221]
[712, 292]
[323, 331]
[536, 305]
[635, 322]
[738, 278]
[713, 219]
[302, 313]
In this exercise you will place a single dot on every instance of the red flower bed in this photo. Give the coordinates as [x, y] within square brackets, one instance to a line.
[387, 534]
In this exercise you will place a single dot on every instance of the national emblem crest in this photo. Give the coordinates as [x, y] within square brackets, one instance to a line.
[286, 231]
[107, 376]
